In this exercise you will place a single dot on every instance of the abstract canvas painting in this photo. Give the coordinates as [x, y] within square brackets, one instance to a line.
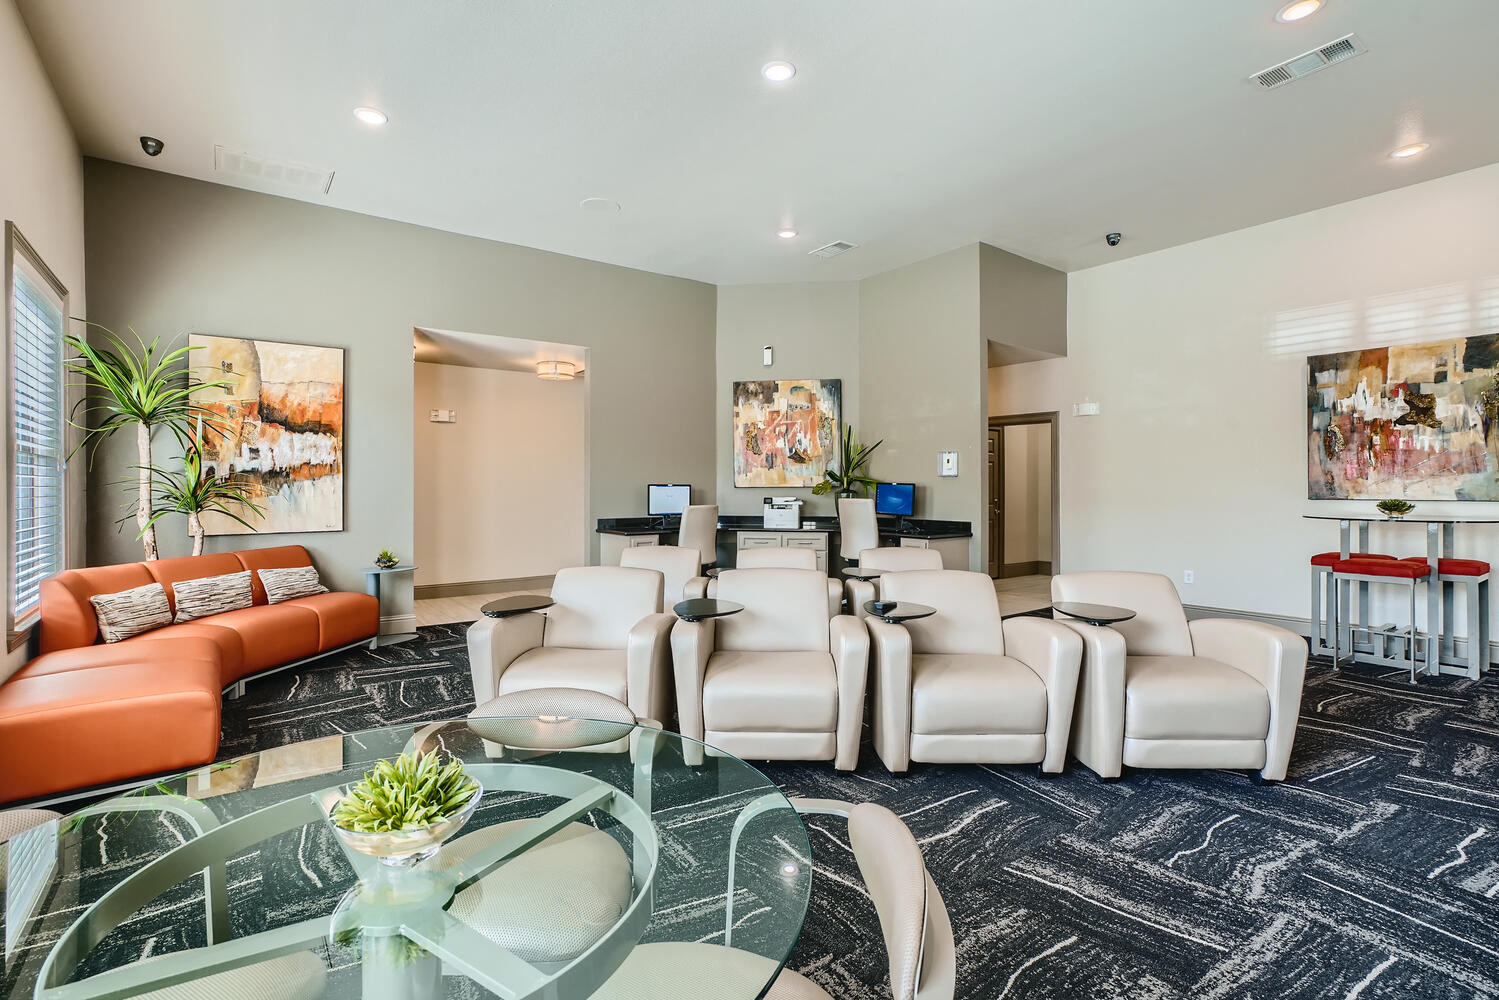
[1413, 422]
[786, 431]
[282, 422]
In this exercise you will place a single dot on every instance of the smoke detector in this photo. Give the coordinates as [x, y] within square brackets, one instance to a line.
[832, 249]
[264, 169]
[1307, 63]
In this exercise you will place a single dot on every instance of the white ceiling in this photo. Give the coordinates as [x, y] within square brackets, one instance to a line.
[909, 129]
[481, 350]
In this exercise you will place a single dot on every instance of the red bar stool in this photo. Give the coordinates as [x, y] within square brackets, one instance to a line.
[1322, 564]
[1473, 574]
[1363, 569]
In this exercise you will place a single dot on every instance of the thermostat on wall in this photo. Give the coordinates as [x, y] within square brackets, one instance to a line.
[948, 464]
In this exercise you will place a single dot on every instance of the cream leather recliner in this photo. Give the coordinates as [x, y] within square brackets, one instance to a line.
[605, 633]
[785, 557]
[913, 917]
[781, 680]
[965, 686]
[889, 559]
[677, 563]
[1158, 691]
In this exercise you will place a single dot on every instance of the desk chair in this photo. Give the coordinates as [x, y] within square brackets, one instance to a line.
[699, 531]
[857, 528]
[679, 565]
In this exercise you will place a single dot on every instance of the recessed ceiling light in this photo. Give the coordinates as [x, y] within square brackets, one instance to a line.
[371, 116]
[1414, 149]
[1297, 9]
[786, 233]
[778, 72]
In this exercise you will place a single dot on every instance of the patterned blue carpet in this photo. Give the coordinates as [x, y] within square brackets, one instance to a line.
[1373, 871]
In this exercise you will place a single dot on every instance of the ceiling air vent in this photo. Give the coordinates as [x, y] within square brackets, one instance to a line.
[282, 173]
[1310, 62]
[832, 249]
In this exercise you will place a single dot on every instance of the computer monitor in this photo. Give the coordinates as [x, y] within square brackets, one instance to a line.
[895, 498]
[667, 498]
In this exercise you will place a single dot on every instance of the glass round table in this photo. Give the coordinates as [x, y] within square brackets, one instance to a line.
[230, 880]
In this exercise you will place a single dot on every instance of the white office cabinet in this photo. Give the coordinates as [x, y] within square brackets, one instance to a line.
[817, 541]
[611, 545]
[954, 550]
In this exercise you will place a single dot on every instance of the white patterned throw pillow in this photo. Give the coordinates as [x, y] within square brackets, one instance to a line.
[285, 584]
[131, 612]
[212, 595]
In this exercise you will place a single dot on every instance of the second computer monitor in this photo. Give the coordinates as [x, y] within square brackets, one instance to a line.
[667, 498]
[895, 498]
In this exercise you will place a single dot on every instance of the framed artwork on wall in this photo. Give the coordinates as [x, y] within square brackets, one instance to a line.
[1413, 422]
[785, 431]
[282, 417]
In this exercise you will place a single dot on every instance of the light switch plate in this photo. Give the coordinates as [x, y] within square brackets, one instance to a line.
[1089, 409]
[769, 357]
[443, 416]
[948, 466]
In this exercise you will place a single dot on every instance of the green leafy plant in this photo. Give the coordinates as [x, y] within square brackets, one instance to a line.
[848, 476]
[1394, 508]
[136, 385]
[410, 792]
[192, 490]
[386, 559]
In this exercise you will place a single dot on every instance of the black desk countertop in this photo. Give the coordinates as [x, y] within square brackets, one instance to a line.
[909, 527]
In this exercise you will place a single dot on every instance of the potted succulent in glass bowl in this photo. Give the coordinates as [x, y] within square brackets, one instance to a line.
[387, 559]
[1394, 509]
[403, 810]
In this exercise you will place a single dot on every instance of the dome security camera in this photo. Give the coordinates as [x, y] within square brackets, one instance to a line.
[152, 145]
[1113, 239]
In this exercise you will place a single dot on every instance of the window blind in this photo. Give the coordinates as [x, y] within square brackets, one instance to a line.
[37, 428]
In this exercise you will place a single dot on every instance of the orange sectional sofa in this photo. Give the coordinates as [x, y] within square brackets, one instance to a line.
[85, 713]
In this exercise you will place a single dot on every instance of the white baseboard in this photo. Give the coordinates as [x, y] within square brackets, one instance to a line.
[397, 624]
[1303, 626]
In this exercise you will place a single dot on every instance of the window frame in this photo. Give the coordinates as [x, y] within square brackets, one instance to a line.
[19, 249]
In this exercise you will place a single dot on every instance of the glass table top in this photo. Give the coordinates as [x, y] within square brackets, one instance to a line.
[230, 875]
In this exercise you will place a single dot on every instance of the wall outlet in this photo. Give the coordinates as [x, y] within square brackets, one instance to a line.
[1188, 576]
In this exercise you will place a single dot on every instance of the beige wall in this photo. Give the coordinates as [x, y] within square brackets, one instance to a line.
[814, 329]
[1197, 356]
[172, 255]
[1023, 305]
[41, 191]
[922, 385]
[499, 493]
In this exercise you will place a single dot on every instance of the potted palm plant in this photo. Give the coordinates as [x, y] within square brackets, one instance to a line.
[848, 479]
[136, 385]
[194, 490]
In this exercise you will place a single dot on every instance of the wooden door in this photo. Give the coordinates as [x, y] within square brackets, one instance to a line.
[996, 501]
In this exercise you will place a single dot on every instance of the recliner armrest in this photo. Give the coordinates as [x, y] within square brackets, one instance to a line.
[494, 643]
[1054, 653]
[890, 669]
[848, 640]
[1275, 657]
[858, 592]
[1098, 719]
[648, 665]
[692, 643]
[695, 588]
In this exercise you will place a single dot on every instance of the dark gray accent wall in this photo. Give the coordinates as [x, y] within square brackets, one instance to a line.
[168, 255]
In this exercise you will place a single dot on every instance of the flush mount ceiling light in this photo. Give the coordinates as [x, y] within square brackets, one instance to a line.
[1414, 149]
[778, 72]
[371, 116]
[786, 233]
[1297, 9]
[556, 371]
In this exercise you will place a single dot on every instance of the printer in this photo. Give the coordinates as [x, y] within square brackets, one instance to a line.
[783, 513]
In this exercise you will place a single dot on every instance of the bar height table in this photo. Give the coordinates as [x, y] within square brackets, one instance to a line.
[1441, 538]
